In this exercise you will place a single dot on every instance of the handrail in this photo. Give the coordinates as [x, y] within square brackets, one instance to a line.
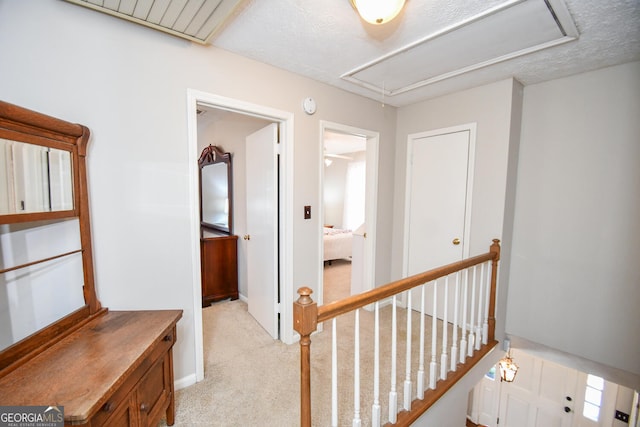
[337, 308]
[307, 314]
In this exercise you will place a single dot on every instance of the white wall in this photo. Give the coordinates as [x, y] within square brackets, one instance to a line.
[574, 282]
[496, 109]
[334, 179]
[128, 84]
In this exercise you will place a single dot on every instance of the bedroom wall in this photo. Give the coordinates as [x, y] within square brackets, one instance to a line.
[334, 177]
[128, 84]
[574, 282]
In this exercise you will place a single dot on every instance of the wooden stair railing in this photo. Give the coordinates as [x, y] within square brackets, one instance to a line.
[307, 315]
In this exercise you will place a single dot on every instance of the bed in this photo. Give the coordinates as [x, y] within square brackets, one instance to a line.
[337, 243]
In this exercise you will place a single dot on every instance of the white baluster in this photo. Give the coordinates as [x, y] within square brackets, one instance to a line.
[485, 324]
[465, 309]
[433, 366]
[407, 377]
[480, 307]
[444, 358]
[471, 341]
[420, 375]
[334, 374]
[393, 394]
[375, 408]
[356, 372]
[454, 340]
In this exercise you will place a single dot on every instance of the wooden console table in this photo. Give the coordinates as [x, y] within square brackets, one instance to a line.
[115, 370]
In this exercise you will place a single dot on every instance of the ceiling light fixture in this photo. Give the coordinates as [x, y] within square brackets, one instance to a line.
[508, 368]
[378, 11]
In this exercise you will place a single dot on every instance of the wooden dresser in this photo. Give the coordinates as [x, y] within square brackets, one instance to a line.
[59, 348]
[116, 370]
[219, 258]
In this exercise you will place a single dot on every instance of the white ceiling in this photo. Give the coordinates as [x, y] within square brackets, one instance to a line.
[325, 40]
[432, 48]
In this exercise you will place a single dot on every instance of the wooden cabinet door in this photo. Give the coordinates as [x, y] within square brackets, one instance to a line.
[219, 268]
[153, 392]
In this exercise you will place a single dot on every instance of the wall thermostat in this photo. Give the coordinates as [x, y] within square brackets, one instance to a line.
[309, 105]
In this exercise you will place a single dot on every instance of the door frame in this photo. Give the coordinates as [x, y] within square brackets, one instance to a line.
[411, 138]
[286, 128]
[371, 199]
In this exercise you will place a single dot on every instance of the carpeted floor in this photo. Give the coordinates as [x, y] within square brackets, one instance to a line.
[253, 380]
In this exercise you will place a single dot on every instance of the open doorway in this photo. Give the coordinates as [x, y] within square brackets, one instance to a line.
[348, 188]
[235, 118]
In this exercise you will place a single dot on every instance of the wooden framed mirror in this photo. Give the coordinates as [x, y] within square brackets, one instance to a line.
[46, 269]
[216, 190]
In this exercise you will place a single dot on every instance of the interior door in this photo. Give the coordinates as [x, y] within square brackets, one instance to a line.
[543, 394]
[262, 227]
[438, 194]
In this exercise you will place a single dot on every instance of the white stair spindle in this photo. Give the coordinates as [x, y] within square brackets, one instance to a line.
[375, 408]
[334, 374]
[454, 339]
[433, 366]
[393, 394]
[480, 307]
[485, 324]
[444, 358]
[357, 422]
[407, 378]
[465, 309]
[471, 341]
[420, 375]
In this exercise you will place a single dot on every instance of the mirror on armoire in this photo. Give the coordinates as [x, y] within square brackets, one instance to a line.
[216, 190]
[218, 245]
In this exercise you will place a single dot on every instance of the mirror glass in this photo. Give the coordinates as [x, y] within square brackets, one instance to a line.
[34, 179]
[215, 196]
[34, 295]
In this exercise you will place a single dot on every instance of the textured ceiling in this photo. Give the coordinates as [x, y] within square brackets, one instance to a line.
[325, 40]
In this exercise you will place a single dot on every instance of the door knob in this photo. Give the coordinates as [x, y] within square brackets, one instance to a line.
[456, 241]
[567, 409]
[247, 237]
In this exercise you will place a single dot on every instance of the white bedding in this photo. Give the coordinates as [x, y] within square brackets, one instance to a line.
[337, 243]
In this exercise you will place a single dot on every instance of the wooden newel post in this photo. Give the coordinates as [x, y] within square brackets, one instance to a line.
[305, 322]
[494, 249]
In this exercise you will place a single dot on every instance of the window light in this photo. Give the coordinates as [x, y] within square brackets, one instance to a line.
[593, 397]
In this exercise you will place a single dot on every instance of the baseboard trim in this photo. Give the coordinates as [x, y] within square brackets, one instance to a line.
[184, 382]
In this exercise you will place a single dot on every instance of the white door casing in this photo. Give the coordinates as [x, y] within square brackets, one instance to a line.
[262, 227]
[438, 201]
[286, 122]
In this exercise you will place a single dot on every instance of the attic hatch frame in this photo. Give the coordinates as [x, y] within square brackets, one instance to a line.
[557, 10]
[196, 23]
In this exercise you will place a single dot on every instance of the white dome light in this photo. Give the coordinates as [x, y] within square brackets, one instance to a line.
[378, 11]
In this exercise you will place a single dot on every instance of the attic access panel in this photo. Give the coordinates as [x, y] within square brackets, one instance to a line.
[195, 20]
[512, 29]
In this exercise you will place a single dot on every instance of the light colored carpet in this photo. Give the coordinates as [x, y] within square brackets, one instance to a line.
[253, 380]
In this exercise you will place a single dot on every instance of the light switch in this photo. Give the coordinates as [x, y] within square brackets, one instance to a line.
[307, 212]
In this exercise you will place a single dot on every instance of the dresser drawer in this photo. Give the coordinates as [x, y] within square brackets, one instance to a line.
[143, 394]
